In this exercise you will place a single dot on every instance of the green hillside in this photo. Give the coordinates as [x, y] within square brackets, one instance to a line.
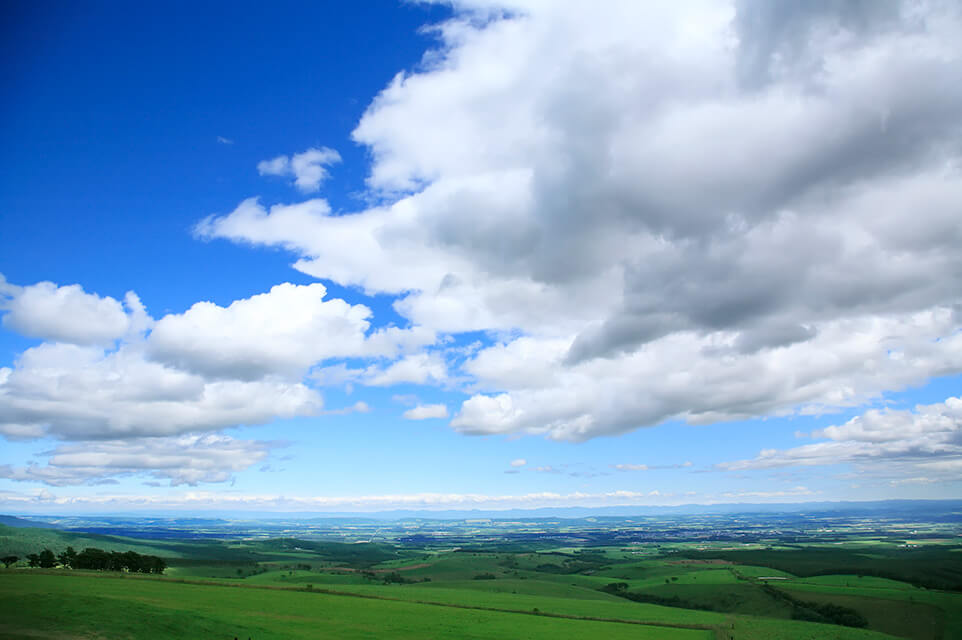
[89, 606]
[212, 586]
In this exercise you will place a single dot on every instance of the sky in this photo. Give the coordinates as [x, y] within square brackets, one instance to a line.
[479, 254]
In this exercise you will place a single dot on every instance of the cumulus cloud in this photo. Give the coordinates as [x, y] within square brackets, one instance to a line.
[78, 393]
[927, 439]
[418, 368]
[701, 211]
[307, 168]
[425, 368]
[282, 332]
[109, 374]
[108, 370]
[426, 411]
[189, 459]
[69, 314]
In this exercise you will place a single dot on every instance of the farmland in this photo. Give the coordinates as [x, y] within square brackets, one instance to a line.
[782, 577]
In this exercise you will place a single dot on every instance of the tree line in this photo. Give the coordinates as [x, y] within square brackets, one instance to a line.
[95, 559]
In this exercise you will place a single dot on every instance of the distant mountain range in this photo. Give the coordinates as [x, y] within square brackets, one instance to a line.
[945, 507]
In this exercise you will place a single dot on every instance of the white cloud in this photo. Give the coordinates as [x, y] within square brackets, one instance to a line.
[278, 166]
[282, 332]
[927, 440]
[77, 393]
[69, 314]
[700, 210]
[200, 499]
[704, 379]
[358, 407]
[188, 459]
[520, 462]
[426, 411]
[646, 467]
[794, 492]
[307, 168]
[114, 372]
[419, 368]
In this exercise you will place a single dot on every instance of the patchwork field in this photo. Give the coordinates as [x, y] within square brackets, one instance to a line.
[861, 589]
[58, 606]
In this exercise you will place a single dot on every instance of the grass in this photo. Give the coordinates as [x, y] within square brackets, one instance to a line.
[715, 592]
[933, 566]
[544, 596]
[878, 601]
[19, 541]
[113, 607]
[913, 620]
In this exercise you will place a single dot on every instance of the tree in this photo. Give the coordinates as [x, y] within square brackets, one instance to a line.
[47, 559]
[92, 558]
[33, 560]
[8, 560]
[67, 558]
[158, 565]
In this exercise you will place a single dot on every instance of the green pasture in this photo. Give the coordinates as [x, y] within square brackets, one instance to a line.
[19, 541]
[752, 571]
[35, 605]
[289, 588]
[914, 620]
[547, 599]
[939, 609]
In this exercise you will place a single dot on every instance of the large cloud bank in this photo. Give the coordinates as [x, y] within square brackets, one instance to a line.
[697, 210]
[701, 211]
[150, 395]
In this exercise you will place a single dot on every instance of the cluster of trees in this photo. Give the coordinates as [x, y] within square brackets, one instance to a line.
[620, 589]
[45, 559]
[98, 560]
[818, 612]
[391, 577]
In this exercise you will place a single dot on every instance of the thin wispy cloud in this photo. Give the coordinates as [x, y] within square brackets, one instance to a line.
[426, 412]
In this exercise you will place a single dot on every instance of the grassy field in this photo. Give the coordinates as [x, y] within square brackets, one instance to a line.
[931, 566]
[926, 611]
[94, 606]
[21, 541]
[915, 620]
[288, 588]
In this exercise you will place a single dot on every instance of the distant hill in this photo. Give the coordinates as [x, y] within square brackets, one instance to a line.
[14, 521]
[948, 510]
[945, 507]
[20, 540]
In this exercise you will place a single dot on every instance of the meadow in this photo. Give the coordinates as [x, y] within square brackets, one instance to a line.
[858, 588]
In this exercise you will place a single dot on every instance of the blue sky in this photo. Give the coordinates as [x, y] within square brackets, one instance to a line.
[478, 254]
